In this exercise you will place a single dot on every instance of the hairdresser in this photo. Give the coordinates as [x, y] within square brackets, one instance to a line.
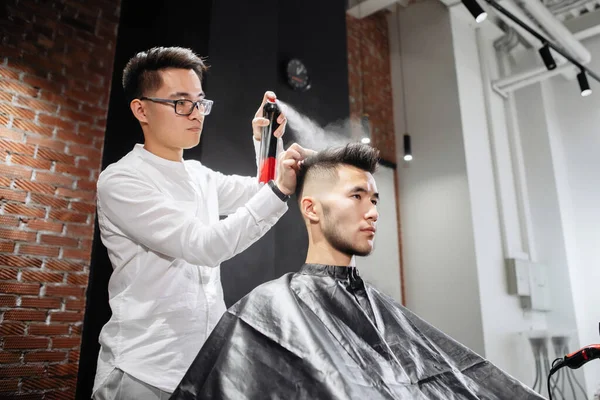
[159, 220]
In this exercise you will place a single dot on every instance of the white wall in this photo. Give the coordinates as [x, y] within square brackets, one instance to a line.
[440, 269]
[575, 143]
[464, 196]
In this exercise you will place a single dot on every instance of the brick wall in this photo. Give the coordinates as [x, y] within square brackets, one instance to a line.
[370, 79]
[56, 60]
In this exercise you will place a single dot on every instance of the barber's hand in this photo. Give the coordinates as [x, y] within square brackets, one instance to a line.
[288, 163]
[259, 122]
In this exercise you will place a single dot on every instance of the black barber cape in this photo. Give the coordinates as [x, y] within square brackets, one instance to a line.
[323, 333]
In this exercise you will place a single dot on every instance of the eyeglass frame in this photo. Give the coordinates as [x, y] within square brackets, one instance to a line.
[195, 104]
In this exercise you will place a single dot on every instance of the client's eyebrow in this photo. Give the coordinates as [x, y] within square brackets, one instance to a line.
[361, 189]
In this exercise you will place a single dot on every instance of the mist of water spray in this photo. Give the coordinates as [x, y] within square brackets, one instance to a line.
[307, 133]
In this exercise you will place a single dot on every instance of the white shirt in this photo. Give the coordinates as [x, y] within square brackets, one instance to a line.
[159, 221]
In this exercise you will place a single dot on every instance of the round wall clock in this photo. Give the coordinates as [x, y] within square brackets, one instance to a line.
[297, 75]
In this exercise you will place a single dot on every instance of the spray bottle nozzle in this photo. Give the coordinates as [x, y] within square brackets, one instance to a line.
[271, 97]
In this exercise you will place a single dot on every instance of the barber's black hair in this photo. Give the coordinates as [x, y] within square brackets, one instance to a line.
[141, 76]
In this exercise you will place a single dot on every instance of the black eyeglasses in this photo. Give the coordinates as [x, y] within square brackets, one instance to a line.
[185, 107]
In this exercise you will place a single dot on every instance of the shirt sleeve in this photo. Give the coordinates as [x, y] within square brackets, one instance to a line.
[145, 215]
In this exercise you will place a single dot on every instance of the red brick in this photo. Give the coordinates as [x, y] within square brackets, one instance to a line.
[28, 211]
[42, 83]
[16, 147]
[9, 385]
[39, 276]
[76, 329]
[77, 305]
[73, 137]
[19, 288]
[66, 317]
[89, 164]
[7, 97]
[55, 121]
[53, 179]
[88, 208]
[64, 265]
[19, 88]
[34, 187]
[8, 274]
[68, 216]
[63, 370]
[11, 134]
[4, 181]
[68, 394]
[48, 330]
[86, 245]
[30, 162]
[7, 247]
[37, 250]
[80, 230]
[76, 254]
[4, 120]
[21, 371]
[89, 152]
[49, 143]
[74, 356]
[55, 156]
[89, 186]
[48, 200]
[7, 220]
[45, 356]
[95, 111]
[19, 261]
[15, 171]
[64, 291]
[59, 241]
[8, 73]
[7, 301]
[25, 342]
[45, 383]
[17, 112]
[66, 343]
[12, 328]
[30, 126]
[17, 235]
[11, 358]
[37, 105]
[78, 279]
[76, 194]
[37, 302]
[24, 315]
[71, 170]
[91, 131]
[44, 226]
[76, 116]
[14, 195]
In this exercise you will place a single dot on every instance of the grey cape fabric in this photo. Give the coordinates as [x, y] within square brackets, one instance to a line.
[323, 333]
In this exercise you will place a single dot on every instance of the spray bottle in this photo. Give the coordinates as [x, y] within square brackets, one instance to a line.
[268, 142]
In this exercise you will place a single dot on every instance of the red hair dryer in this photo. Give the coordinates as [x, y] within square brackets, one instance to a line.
[268, 143]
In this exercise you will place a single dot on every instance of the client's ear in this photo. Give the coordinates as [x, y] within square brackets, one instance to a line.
[310, 208]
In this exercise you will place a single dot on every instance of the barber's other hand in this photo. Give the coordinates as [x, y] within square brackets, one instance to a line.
[288, 163]
[259, 122]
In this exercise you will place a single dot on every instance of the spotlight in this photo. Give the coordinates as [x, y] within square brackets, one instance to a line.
[547, 57]
[583, 84]
[407, 150]
[475, 10]
[365, 140]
